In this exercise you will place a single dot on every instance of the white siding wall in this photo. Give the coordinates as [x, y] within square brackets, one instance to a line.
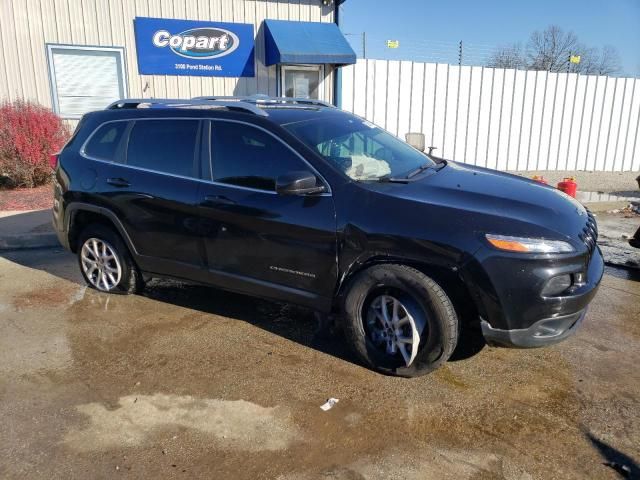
[505, 119]
[30, 24]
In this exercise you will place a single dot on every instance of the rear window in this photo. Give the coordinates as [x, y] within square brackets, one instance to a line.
[104, 143]
[167, 146]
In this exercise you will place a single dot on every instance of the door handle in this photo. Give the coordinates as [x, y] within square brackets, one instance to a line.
[217, 200]
[118, 182]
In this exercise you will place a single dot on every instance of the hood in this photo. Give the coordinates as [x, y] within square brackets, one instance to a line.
[515, 205]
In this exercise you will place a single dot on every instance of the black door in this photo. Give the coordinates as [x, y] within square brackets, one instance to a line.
[154, 193]
[280, 246]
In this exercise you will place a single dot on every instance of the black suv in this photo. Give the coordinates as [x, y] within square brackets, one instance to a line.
[301, 202]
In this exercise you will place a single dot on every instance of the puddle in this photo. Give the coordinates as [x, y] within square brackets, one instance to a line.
[233, 424]
[61, 294]
[623, 273]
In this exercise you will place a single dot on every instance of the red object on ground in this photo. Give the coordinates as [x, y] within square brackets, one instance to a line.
[26, 198]
[569, 186]
[539, 178]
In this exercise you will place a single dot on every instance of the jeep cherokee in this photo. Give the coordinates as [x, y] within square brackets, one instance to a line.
[298, 201]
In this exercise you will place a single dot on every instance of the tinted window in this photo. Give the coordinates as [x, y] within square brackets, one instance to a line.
[167, 146]
[104, 143]
[249, 157]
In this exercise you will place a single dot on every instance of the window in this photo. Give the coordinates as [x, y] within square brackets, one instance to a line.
[104, 144]
[167, 146]
[358, 148]
[85, 78]
[246, 156]
[302, 81]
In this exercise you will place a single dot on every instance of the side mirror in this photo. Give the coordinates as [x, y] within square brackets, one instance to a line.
[298, 183]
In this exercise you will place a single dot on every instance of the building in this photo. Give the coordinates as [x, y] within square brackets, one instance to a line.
[80, 55]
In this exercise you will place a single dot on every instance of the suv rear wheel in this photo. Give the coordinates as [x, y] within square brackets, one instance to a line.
[399, 321]
[105, 262]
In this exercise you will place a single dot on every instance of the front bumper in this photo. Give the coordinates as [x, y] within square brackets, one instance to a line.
[542, 333]
[507, 290]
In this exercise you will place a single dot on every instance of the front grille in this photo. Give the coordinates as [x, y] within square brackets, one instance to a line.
[589, 233]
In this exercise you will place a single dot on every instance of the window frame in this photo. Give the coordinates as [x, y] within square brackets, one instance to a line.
[305, 67]
[50, 47]
[211, 156]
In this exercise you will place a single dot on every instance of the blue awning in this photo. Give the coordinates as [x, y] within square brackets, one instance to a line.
[306, 42]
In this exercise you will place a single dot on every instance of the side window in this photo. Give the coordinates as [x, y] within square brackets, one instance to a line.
[167, 146]
[105, 141]
[249, 157]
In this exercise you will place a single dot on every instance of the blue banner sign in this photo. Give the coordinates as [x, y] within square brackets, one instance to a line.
[187, 47]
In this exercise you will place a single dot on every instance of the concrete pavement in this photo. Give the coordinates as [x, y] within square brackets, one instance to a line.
[26, 229]
[192, 382]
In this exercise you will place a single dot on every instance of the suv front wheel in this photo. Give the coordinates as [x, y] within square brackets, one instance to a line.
[399, 321]
[105, 262]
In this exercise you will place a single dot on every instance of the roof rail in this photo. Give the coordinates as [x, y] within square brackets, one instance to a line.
[302, 101]
[266, 100]
[126, 103]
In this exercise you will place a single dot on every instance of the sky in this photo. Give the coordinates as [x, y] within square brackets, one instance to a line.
[431, 30]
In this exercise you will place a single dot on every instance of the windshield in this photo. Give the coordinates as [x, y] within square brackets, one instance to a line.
[360, 149]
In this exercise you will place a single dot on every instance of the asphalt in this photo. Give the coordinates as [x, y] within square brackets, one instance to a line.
[191, 382]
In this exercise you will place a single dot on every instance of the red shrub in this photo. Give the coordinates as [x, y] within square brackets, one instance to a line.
[29, 134]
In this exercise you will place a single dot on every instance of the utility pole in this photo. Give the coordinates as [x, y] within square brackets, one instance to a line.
[460, 54]
[364, 44]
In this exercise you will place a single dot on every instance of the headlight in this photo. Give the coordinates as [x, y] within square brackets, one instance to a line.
[528, 245]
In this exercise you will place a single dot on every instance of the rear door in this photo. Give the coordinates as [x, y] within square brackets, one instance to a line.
[154, 192]
[260, 241]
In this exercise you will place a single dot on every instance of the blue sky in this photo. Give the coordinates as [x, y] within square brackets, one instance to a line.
[433, 28]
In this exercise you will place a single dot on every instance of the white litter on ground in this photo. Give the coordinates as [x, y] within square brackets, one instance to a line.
[328, 405]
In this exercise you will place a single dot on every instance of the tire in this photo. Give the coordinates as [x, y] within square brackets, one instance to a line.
[124, 279]
[427, 310]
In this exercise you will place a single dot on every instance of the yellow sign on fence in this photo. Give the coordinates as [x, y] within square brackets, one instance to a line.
[393, 43]
[574, 58]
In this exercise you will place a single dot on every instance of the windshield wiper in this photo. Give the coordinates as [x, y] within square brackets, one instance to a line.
[424, 167]
[389, 179]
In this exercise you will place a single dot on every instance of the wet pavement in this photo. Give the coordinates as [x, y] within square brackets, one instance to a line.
[615, 230]
[191, 382]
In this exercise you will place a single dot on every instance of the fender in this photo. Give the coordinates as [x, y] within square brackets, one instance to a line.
[76, 207]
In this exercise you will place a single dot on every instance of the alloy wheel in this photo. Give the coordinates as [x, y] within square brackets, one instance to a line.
[393, 328]
[101, 264]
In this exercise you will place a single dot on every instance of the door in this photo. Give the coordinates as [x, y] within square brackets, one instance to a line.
[154, 193]
[279, 246]
[302, 81]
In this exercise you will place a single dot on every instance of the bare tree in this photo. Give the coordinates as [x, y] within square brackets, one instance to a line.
[550, 49]
[509, 56]
[603, 62]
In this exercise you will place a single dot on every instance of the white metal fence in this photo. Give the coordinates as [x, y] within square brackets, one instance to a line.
[502, 118]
